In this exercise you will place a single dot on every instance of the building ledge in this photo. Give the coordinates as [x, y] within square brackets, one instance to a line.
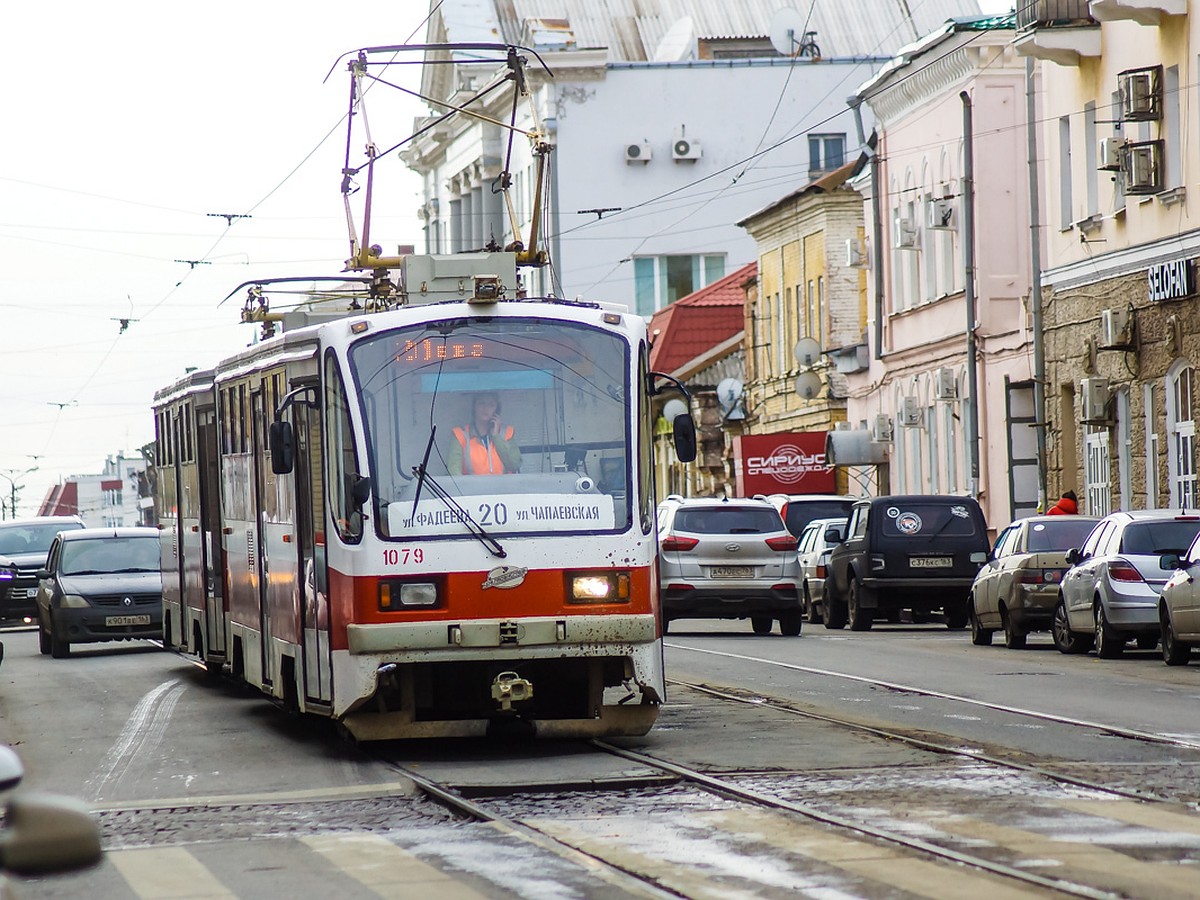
[1172, 196]
[1065, 46]
[1144, 12]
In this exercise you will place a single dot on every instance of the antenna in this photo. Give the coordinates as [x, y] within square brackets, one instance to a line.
[787, 32]
[807, 351]
[808, 385]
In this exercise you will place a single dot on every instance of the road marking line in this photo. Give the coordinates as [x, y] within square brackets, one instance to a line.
[167, 874]
[388, 870]
[143, 732]
[1147, 815]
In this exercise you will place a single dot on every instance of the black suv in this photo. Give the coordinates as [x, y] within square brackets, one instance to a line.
[24, 544]
[917, 551]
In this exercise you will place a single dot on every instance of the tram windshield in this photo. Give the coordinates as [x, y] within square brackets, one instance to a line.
[529, 422]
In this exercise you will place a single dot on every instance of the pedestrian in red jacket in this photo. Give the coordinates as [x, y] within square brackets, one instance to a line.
[1067, 505]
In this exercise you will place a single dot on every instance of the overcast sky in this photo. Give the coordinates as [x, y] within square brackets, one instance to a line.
[128, 124]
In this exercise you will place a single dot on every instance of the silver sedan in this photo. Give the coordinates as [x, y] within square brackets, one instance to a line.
[1110, 594]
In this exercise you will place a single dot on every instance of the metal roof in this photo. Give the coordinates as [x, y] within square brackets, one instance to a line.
[633, 30]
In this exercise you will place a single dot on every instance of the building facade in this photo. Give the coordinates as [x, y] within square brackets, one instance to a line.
[121, 494]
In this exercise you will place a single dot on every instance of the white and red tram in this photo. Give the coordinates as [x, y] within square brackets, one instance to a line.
[317, 545]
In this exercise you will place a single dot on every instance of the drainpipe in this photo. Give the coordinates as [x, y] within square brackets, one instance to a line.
[855, 103]
[1035, 285]
[968, 191]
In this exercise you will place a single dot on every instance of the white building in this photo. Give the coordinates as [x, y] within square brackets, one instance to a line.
[668, 126]
[118, 496]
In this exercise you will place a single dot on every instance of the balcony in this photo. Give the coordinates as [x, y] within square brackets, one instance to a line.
[1144, 12]
[1059, 31]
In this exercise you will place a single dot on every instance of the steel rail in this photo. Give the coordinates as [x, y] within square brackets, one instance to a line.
[1114, 730]
[732, 791]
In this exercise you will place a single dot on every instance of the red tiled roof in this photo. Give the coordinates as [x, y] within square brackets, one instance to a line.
[698, 322]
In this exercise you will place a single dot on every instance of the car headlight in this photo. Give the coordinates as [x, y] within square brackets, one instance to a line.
[73, 601]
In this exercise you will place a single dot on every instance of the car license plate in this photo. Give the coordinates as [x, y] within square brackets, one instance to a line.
[112, 621]
[930, 562]
[731, 571]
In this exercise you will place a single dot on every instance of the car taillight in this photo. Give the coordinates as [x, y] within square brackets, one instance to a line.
[820, 570]
[1120, 570]
[1029, 576]
[674, 542]
[1053, 576]
[783, 542]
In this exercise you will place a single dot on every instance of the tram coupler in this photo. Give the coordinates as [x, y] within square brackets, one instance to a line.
[509, 688]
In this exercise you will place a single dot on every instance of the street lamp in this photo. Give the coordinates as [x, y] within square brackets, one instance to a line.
[12, 476]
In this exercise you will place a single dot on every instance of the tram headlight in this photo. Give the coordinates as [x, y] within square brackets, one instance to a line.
[598, 587]
[395, 595]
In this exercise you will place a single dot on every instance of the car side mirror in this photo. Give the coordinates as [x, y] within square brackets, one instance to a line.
[1170, 561]
[360, 492]
[833, 535]
[45, 833]
[11, 769]
[41, 574]
[1074, 556]
[283, 447]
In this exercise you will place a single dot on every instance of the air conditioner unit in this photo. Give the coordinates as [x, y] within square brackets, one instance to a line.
[941, 214]
[1110, 153]
[911, 414]
[1142, 167]
[856, 255]
[638, 153]
[1095, 396]
[1141, 94]
[881, 429]
[685, 150]
[904, 234]
[1114, 329]
[945, 384]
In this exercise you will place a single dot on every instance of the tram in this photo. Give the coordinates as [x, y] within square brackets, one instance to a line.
[329, 537]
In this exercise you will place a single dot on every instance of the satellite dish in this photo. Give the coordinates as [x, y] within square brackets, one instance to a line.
[787, 31]
[807, 351]
[729, 392]
[808, 385]
[676, 44]
[674, 409]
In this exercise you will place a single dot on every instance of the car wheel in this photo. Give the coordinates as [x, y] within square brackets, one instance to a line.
[1147, 641]
[43, 639]
[790, 624]
[860, 617]
[1014, 637]
[1066, 640]
[980, 636]
[761, 624]
[812, 610]
[1109, 644]
[833, 610]
[1175, 652]
[59, 649]
[957, 616]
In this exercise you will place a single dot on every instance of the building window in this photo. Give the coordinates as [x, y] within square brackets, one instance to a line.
[1091, 162]
[1064, 173]
[1181, 432]
[1099, 493]
[826, 152]
[1151, 448]
[660, 280]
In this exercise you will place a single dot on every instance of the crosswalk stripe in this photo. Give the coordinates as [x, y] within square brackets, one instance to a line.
[388, 870]
[1132, 812]
[169, 873]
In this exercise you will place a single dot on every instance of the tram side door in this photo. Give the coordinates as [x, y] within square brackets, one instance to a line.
[314, 592]
[213, 566]
[258, 506]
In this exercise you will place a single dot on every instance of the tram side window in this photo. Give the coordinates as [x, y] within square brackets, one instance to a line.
[340, 456]
[645, 445]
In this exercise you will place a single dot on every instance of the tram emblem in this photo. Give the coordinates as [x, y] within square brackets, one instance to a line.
[505, 577]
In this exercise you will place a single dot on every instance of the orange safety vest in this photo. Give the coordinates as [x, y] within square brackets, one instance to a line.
[480, 458]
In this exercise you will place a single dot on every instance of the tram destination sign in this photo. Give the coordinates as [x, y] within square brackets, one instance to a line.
[1172, 280]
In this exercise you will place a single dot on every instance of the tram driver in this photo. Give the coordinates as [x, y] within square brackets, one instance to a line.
[484, 446]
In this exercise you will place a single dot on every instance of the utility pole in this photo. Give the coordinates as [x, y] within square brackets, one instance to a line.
[12, 476]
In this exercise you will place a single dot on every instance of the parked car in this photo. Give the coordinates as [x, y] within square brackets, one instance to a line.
[728, 559]
[819, 537]
[1017, 588]
[916, 551]
[24, 544]
[1179, 608]
[1110, 594]
[99, 584]
[797, 510]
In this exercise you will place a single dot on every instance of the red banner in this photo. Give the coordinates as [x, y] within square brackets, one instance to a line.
[787, 463]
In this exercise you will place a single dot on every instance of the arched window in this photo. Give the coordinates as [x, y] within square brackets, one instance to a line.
[1181, 434]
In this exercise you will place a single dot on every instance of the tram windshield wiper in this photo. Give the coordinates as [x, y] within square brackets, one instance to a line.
[473, 527]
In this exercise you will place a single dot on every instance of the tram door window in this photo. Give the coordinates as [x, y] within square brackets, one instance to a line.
[210, 529]
[342, 462]
[645, 438]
